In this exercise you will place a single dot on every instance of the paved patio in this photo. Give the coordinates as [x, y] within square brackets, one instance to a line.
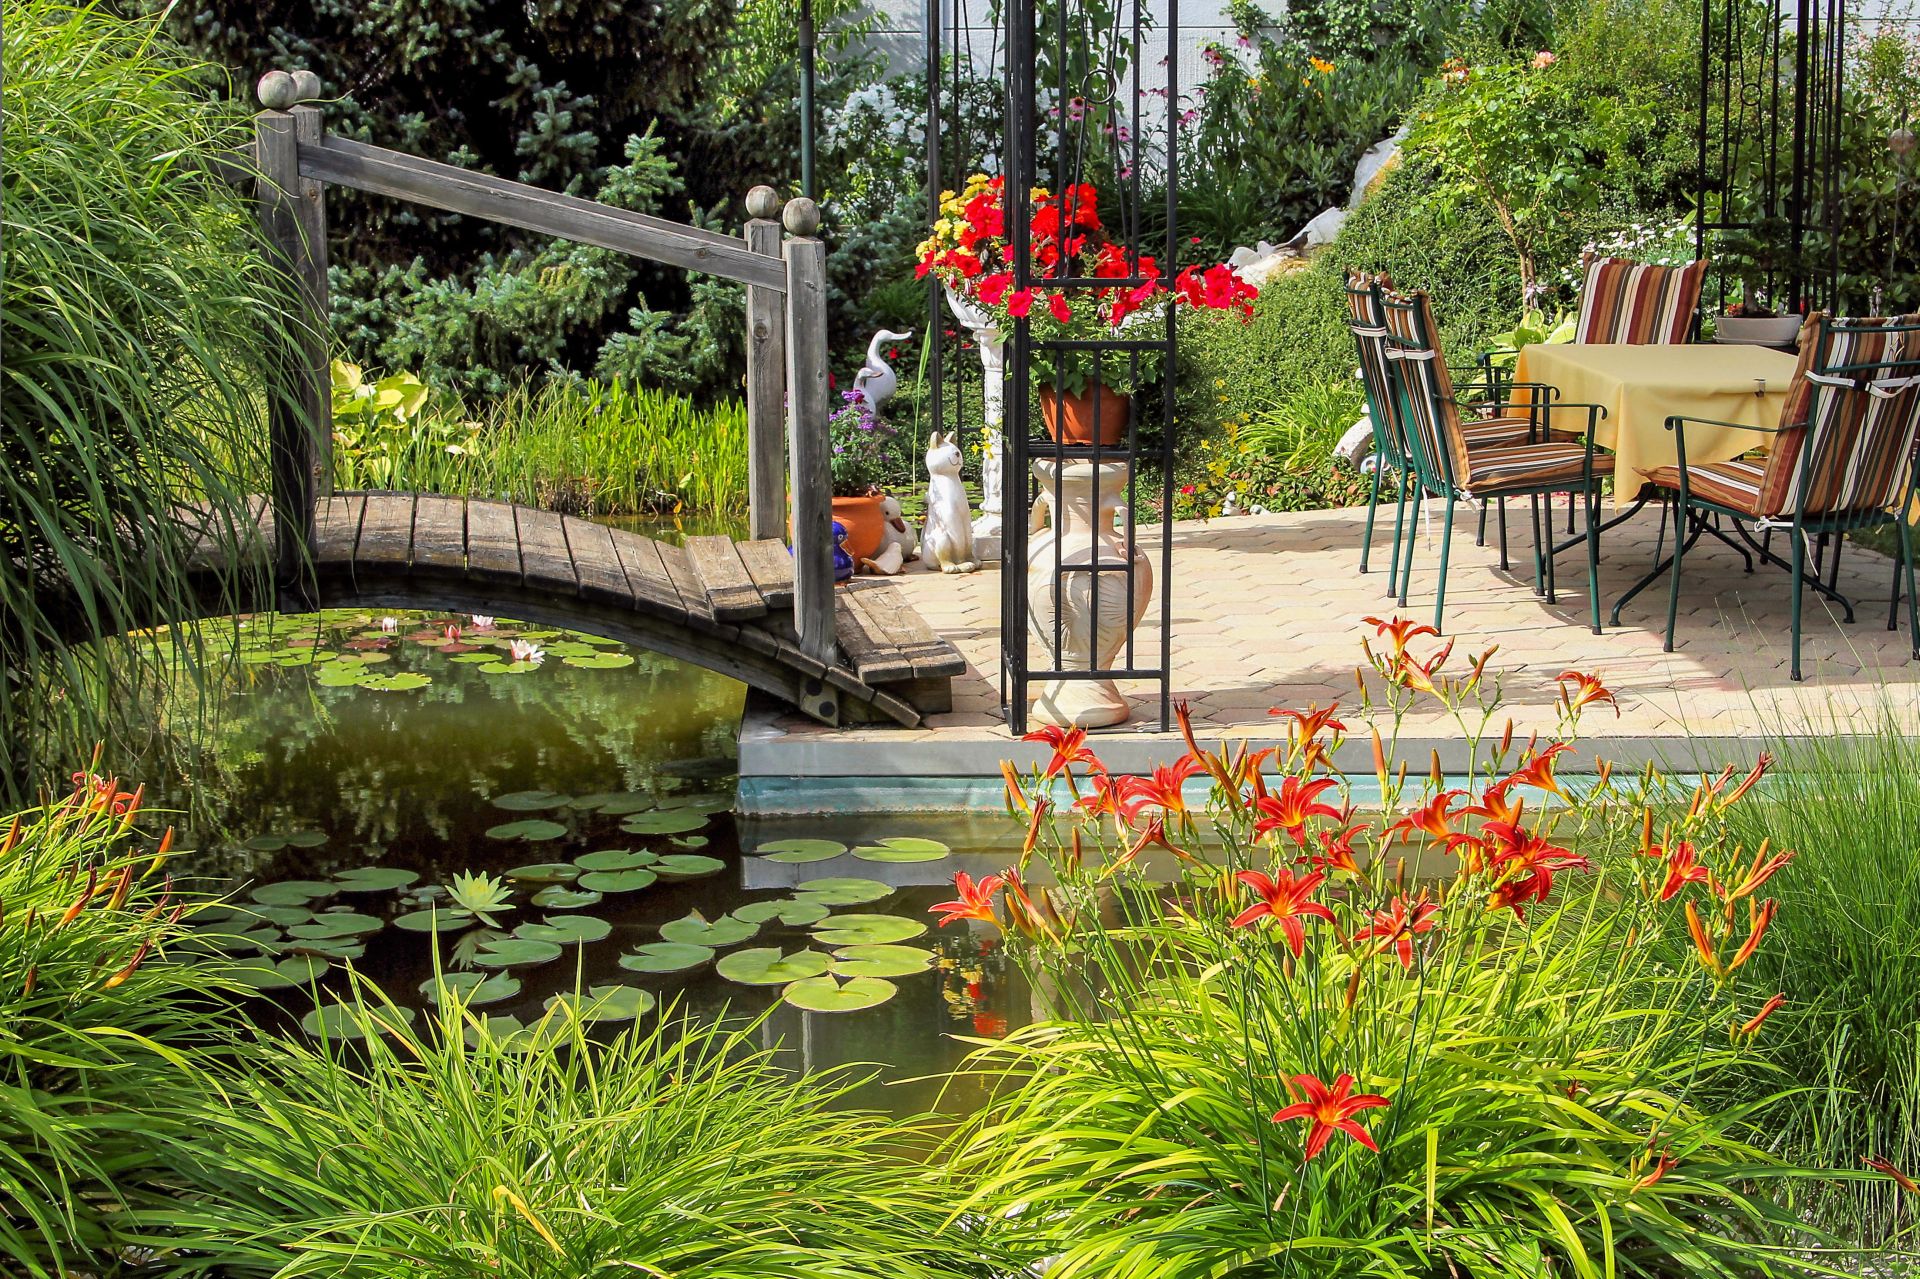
[1267, 612]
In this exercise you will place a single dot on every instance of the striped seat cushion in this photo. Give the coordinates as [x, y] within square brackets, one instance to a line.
[1531, 466]
[1494, 431]
[1637, 303]
[1737, 485]
[1369, 327]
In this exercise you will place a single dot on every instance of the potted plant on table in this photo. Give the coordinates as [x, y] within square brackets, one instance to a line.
[863, 449]
[1752, 321]
[969, 253]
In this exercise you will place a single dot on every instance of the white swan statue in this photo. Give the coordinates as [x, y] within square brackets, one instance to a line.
[876, 381]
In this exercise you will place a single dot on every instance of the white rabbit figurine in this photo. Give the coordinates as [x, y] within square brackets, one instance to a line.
[876, 381]
[898, 540]
[947, 543]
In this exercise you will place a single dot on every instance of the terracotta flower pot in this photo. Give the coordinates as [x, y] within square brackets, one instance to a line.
[1069, 417]
[864, 523]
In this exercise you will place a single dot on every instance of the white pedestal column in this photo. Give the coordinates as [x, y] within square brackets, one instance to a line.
[992, 346]
[1083, 500]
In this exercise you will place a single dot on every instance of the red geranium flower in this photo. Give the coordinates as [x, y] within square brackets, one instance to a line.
[1062, 309]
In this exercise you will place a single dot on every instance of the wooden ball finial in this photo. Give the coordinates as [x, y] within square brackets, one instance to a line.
[276, 91]
[306, 85]
[801, 216]
[763, 202]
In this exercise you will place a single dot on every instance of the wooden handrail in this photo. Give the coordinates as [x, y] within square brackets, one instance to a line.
[344, 162]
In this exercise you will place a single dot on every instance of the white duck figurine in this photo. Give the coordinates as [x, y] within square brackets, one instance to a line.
[876, 381]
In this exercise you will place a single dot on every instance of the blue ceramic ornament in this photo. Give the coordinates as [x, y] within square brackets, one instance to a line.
[842, 562]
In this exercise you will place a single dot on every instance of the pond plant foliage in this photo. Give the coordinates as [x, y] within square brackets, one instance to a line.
[1504, 1026]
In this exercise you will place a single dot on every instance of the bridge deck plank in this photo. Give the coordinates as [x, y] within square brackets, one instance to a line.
[439, 534]
[729, 587]
[869, 650]
[693, 595]
[386, 534]
[601, 576]
[336, 531]
[646, 575]
[493, 545]
[897, 624]
[544, 559]
[771, 568]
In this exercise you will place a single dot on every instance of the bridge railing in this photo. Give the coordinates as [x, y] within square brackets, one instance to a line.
[786, 318]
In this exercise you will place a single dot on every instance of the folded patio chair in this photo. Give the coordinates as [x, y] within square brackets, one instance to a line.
[1445, 466]
[1842, 459]
[1366, 318]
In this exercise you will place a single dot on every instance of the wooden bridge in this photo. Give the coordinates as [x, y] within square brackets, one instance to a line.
[750, 609]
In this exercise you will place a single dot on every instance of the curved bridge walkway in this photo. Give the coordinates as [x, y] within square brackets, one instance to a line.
[714, 602]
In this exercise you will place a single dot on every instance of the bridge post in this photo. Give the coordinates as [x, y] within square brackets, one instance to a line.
[807, 413]
[293, 214]
[766, 379]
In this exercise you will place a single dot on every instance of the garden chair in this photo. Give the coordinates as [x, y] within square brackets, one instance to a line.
[1366, 318]
[1446, 467]
[1638, 303]
[1842, 459]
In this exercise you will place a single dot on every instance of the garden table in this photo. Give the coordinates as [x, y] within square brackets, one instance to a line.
[1642, 386]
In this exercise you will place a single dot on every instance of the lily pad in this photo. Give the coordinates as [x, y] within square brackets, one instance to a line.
[305, 968]
[306, 838]
[698, 930]
[529, 801]
[261, 974]
[342, 1021]
[331, 947]
[292, 892]
[844, 891]
[570, 648]
[688, 865]
[560, 897]
[374, 879]
[766, 966]
[880, 961]
[796, 851]
[545, 873]
[627, 803]
[689, 841]
[566, 930]
[606, 1003]
[475, 658]
[697, 803]
[662, 822]
[282, 916]
[903, 850]
[616, 859]
[790, 911]
[337, 924]
[617, 881]
[399, 682]
[341, 675]
[442, 920]
[474, 988]
[508, 668]
[866, 930]
[826, 995]
[598, 661]
[516, 952]
[531, 829]
[666, 957]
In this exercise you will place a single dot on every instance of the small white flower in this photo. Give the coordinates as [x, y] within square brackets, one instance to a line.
[389, 624]
[482, 622]
[526, 651]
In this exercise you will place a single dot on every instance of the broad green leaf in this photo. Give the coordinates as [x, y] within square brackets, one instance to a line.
[545, 873]
[566, 930]
[606, 1003]
[766, 966]
[845, 892]
[688, 865]
[880, 961]
[698, 930]
[827, 995]
[903, 850]
[866, 930]
[800, 850]
[616, 859]
[516, 952]
[531, 829]
[792, 912]
[529, 801]
[666, 957]
[616, 881]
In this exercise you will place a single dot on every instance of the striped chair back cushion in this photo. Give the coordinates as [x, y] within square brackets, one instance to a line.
[1637, 303]
[1844, 413]
[1859, 436]
[1420, 369]
[1368, 322]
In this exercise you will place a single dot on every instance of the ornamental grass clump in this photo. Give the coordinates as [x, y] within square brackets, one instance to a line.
[104, 1037]
[1286, 1036]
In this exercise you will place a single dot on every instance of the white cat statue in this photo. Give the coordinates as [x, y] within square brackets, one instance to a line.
[899, 542]
[947, 543]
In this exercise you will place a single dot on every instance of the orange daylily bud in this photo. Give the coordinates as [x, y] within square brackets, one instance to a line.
[139, 955]
[1661, 1167]
[1709, 956]
[1757, 921]
[13, 837]
[1353, 986]
[1379, 757]
[118, 898]
[1752, 779]
[80, 902]
[33, 979]
[1016, 796]
[1506, 736]
[1900, 1179]
[1748, 1028]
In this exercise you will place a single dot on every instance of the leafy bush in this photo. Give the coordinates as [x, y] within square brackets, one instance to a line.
[1447, 1039]
[135, 379]
[102, 1036]
[479, 1150]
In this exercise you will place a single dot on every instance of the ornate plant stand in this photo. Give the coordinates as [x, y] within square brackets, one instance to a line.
[1081, 563]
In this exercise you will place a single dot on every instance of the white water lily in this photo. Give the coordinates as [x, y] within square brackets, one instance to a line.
[389, 624]
[525, 651]
[482, 622]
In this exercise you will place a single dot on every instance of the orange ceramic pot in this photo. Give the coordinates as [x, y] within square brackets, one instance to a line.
[864, 523]
[1070, 418]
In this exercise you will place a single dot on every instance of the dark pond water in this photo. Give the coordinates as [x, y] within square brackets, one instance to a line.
[362, 768]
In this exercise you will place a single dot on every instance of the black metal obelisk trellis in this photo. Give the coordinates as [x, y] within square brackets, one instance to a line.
[1770, 116]
[1088, 104]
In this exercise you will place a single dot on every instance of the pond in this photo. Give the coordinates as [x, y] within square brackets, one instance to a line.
[550, 811]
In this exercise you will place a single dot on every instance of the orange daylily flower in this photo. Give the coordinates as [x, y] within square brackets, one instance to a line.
[1538, 770]
[1154, 836]
[1163, 790]
[1310, 723]
[1661, 1167]
[975, 900]
[1433, 819]
[1330, 1110]
[1284, 898]
[1289, 810]
[1402, 630]
[1494, 807]
[1419, 676]
[1336, 852]
[1579, 691]
[1682, 869]
[1760, 872]
[1394, 928]
[1526, 864]
[1069, 748]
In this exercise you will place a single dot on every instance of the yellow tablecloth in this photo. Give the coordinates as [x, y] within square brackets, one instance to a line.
[1642, 385]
